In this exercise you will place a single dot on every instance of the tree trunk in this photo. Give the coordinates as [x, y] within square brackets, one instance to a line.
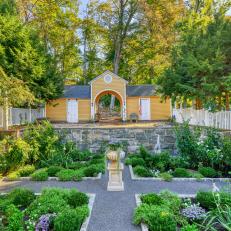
[85, 60]
[5, 114]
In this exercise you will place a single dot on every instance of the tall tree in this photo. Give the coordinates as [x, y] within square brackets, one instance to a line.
[200, 63]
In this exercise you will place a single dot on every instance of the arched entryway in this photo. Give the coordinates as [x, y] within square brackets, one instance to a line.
[101, 106]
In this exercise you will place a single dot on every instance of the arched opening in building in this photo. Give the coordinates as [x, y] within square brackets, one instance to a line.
[103, 111]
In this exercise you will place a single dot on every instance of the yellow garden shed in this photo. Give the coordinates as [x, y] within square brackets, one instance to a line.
[80, 102]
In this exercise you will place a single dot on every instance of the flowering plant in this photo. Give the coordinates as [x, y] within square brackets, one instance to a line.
[193, 212]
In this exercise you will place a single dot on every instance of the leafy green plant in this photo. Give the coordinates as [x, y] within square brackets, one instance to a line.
[157, 218]
[53, 170]
[66, 174]
[26, 170]
[21, 197]
[181, 172]
[189, 228]
[76, 198]
[135, 161]
[207, 172]
[40, 175]
[91, 171]
[68, 220]
[142, 171]
[151, 199]
[13, 176]
[15, 219]
[166, 176]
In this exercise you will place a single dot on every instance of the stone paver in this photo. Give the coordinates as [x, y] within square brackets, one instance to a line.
[113, 211]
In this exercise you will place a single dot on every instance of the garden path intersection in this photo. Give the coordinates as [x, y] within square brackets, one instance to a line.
[113, 211]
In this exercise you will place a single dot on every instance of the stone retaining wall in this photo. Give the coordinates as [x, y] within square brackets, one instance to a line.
[95, 138]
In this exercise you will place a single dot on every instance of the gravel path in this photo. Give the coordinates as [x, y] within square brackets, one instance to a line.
[112, 211]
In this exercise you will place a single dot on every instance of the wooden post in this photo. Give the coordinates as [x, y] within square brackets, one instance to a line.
[5, 114]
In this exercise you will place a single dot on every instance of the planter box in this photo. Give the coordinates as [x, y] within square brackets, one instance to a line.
[135, 177]
[98, 177]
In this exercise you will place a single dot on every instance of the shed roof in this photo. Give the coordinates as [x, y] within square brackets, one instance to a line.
[77, 91]
[141, 90]
[84, 91]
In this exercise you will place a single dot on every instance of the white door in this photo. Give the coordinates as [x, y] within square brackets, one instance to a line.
[72, 111]
[145, 113]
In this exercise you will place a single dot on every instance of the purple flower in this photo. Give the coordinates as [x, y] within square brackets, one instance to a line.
[193, 212]
[44, 222]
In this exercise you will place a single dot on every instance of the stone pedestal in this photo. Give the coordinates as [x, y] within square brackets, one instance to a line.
[115, 182]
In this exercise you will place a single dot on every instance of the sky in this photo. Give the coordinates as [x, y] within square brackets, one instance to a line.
[84, 2]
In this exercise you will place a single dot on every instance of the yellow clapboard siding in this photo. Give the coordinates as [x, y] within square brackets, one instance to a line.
[117, 85]
[56, 110]
[84, 109]
[160, 111]
[132, 106]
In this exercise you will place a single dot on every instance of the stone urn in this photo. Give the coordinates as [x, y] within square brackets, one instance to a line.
[115, 169]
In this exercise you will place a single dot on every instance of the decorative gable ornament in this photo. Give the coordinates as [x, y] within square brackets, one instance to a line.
[107, 78]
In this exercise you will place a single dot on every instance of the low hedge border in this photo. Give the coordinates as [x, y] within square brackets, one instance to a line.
[144, 227]
[135, 177]
[90, 206]
[26, 178]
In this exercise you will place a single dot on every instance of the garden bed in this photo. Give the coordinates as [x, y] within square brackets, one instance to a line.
[18, 210]
[135, 177]
[170, 212]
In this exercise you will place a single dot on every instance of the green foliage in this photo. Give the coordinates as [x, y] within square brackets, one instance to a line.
[44, 142]
[142, 171]
[53, 170]
[16, 152]
[171, 200]
[40, 175]
[151, 199]
[91, 171]
[26, 170]
[66, 174]
[166, 176]
[158, 218]
[15, 219]
[21, 197]
[68, 220]
[134, 161]
[206, 200]
[76, 199]
[181, 172]
[208, 172]
[13, 176]
[189, 228]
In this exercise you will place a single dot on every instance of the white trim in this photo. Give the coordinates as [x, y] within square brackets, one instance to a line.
[149, 108]
[107, 72]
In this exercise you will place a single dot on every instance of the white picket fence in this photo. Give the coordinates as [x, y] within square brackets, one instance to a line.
[221, 119]
[18, 116]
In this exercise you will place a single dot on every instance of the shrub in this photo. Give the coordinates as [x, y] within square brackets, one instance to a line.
[171, 200]
[76, 198]
[91, 171]
[151, 199]
[142, 171]
[13, 176]
[206, 200]
[194, 212]
[17, 151]
[40, 175]
[77, 175]
[26, 170]
[143, 152]
[208, 172]
[166, 176]
[181, 172]
[135, 161]
[53, 170]
[66, 174]
[77, 165]
[15, 219]
[68, 220]
[158, 218]
[189, 228]
[21, 197]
